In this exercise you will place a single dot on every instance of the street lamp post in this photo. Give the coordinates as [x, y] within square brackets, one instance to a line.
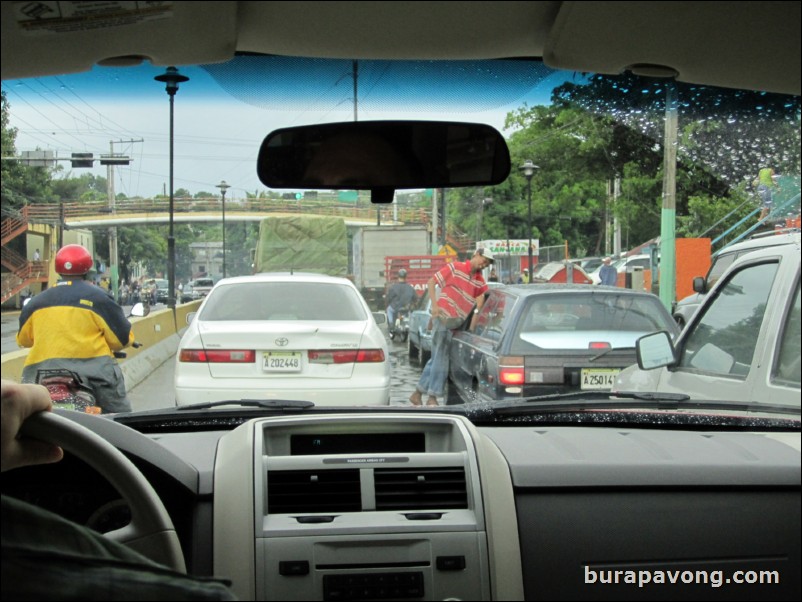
[223, 187]
[171, 78]
[528, 169]
[482, 204]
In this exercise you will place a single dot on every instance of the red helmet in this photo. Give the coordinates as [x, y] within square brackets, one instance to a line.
[73, 260]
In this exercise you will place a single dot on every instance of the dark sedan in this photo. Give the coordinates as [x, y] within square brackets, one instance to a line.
[551, 338]
[419, 341]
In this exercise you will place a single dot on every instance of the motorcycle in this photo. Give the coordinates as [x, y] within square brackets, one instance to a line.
[400, 329]
[69, 390]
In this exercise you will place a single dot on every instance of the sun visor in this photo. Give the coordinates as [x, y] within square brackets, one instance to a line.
[34, 35]
[694, 41]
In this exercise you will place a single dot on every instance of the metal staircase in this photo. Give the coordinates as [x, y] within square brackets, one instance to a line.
[21, 272]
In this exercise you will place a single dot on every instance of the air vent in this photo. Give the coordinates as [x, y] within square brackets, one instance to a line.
[304, 491]
[411, 489]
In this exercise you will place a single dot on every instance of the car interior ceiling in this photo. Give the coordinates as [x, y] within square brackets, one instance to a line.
[566, 35]
[536, 506]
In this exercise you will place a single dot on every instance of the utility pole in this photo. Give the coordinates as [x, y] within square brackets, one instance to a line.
[668, 260]
[616, 221]
[111, 161]
[435, 212]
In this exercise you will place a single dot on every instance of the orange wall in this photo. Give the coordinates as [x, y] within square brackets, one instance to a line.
[693, 259]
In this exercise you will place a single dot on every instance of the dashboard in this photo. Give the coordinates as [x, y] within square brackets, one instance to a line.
[425, 506]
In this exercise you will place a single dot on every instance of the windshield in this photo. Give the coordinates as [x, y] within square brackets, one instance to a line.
[588, 180]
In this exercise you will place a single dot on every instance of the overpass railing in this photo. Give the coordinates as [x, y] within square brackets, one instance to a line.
[50, 213]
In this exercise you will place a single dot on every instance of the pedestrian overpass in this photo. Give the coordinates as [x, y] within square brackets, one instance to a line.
[21, 272]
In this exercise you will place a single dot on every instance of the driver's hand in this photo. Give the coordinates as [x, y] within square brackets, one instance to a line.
[19, 401]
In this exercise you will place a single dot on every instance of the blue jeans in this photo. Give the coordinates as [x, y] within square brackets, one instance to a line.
[390, 318]
[432, 381]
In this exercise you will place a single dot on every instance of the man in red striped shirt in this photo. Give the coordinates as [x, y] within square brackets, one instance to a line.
[463, 291]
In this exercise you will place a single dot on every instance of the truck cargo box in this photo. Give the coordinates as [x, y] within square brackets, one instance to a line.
[302, 243]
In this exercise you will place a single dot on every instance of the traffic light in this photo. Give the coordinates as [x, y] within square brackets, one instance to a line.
[114, 160]
[82, 160]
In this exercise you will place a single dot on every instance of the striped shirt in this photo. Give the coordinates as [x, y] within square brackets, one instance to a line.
[459, 288]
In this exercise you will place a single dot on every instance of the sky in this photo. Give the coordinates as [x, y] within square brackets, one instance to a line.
[222, 114]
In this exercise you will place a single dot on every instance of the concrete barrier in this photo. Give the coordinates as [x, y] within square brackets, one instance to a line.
[159, 332]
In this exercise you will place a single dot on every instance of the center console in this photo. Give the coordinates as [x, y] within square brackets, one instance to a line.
[353, 507]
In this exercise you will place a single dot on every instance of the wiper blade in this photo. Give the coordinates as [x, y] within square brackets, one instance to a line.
[578, 401]
[646, 396]
[272, 404]
[611, 349]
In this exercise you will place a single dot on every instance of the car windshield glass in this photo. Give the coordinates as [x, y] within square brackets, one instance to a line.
[589, 322]
[97, 163]
[283, 301]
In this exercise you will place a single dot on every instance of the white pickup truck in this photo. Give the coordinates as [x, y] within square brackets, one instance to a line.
[743, 344]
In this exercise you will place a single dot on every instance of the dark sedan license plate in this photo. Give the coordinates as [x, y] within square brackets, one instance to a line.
[282, 361]
[597, 379]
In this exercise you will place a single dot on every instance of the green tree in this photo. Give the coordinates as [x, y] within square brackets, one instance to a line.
[20, 184]
[86, 187]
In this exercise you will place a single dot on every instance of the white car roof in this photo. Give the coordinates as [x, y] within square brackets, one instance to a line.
[760, 242]
[286, 277]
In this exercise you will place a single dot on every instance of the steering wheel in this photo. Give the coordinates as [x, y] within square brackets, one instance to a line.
[151, 531]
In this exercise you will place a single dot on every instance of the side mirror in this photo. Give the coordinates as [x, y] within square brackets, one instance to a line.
[700, 285]
[655, 350]
[380, 317]
[139, 310]
[191, 316]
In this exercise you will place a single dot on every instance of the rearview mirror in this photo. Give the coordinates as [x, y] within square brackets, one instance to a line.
[382, 156]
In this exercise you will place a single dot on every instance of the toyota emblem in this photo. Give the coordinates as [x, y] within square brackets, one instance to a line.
[282, 342]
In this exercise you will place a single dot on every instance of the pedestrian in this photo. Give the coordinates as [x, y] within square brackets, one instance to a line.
[493, 276]
[36, 256]
[399, 297]
[77, 326]
[124, 290]
[24, 295]
[765, 186]
[607, 273]
[462, 291]
[524, 277]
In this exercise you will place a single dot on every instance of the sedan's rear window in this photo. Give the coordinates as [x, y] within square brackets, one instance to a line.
[578, 321]
[283, 301]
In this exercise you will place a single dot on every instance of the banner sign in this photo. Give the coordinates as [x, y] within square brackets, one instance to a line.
[512, 246]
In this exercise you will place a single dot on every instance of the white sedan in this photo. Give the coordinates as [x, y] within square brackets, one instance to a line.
[283, 336]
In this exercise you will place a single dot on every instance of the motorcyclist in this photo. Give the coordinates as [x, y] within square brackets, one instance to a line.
[76, 326]
[399, 297]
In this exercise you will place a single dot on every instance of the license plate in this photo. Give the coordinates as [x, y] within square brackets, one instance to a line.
[64, 406]
[282, 361]
[598, 379]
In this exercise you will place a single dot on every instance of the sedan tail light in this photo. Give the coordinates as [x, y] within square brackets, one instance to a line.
[351, 356]
[218, 356]
[511, 370]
